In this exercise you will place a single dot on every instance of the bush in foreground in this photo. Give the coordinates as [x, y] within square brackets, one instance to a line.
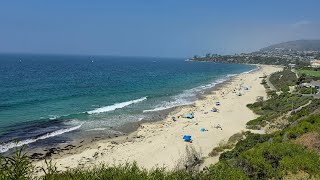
[16, 167]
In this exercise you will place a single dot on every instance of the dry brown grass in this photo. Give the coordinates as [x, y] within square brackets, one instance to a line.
[235, 138]
[226, 145]
[300, 175]
[310, 140]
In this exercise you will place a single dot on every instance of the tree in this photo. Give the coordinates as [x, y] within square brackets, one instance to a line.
[301, 79]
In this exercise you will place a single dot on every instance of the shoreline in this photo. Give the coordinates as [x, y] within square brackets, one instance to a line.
[83, 138]
[126, 130]
[166, 135]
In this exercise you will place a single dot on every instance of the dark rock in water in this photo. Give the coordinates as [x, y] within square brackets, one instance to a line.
[68, 147]
[51, 151]
[81, 141]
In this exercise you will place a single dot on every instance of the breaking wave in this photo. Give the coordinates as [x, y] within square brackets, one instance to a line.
[115, 106]
[6, 146]
[189, 96]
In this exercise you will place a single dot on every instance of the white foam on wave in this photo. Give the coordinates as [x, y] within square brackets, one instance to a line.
[189, 96]
[158, 109]
[53, 117]
[185, 98]
[252, 70]
[231, 75]
[6, 146]
[97, 129]
[115, 106]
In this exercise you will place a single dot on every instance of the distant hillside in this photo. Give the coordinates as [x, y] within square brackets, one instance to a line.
[298, 45]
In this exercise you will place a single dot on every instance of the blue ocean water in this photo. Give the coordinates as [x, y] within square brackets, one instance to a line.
[44, 96]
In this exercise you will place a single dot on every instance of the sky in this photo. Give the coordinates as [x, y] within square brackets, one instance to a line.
[163, 28]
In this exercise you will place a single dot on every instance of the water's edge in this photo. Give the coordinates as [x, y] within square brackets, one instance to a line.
[128, 130]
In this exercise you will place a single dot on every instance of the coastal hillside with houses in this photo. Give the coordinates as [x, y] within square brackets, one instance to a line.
[300, 53]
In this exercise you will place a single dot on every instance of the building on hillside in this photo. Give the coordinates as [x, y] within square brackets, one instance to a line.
[315, 63]
[312, 84]
[315, 84]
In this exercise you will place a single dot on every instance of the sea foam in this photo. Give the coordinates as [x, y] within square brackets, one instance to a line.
[115, 106]
[6, 146]
[188, 96]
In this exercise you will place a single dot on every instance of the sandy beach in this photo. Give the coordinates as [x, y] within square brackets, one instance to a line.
[161, 144]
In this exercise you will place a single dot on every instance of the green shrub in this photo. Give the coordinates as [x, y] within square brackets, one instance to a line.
[274, 160]
[274, 156]
[283, 79]
[309, 90]
[222, 146]
[18, 166]
[296, 131]
[249, 142]
[223, 170]
[274, 107]
[311, 123]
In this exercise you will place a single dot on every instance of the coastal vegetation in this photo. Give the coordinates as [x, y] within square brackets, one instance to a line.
[281, 104]
[275, 107]
[227, 145]
[280, 154]
[307, 90]
[17, 166]
[283, 79]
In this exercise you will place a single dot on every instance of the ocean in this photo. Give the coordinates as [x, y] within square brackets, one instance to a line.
[50, 99]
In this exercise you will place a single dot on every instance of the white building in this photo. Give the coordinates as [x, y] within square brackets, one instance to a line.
[315, 63]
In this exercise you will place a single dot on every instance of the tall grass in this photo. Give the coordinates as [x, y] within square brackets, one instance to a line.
[17, 166]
